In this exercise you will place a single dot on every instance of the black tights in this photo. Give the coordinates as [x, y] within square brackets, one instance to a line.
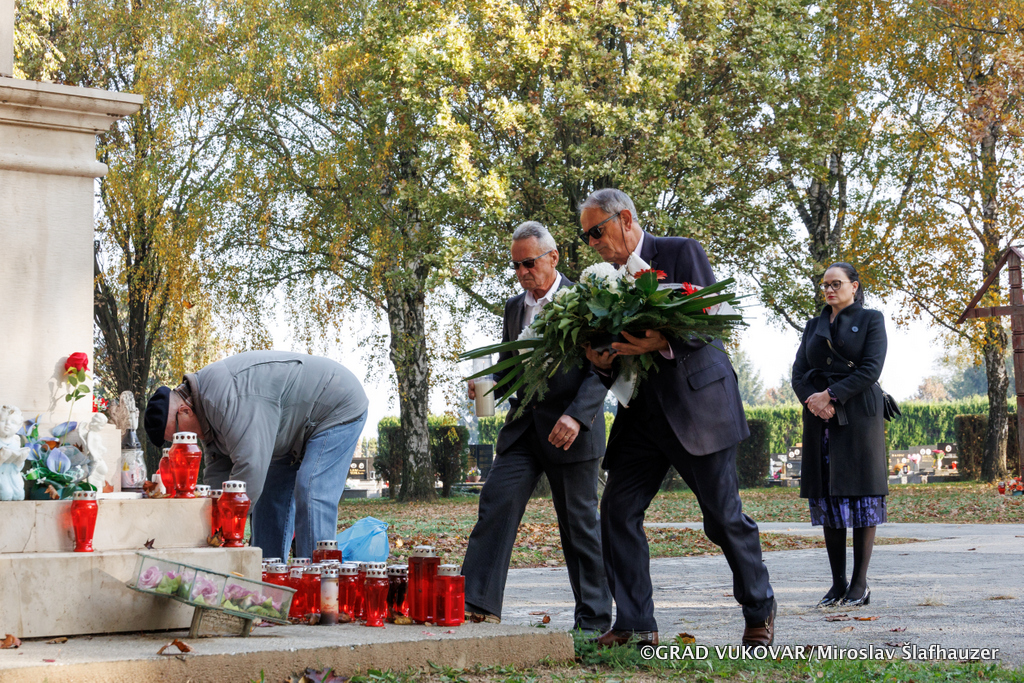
[835, 545]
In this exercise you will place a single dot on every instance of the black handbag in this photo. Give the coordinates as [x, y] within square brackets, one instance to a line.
[890, 409]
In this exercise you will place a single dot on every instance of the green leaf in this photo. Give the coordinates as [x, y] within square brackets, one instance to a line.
[73, 380]
[81, 374]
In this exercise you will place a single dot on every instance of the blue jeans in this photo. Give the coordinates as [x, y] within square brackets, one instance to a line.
[304, 496]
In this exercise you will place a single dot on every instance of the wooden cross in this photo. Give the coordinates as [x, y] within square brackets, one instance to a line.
[7, 38]
[1011, 258]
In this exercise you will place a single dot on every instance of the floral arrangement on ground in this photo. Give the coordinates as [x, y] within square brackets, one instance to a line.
[595, 311]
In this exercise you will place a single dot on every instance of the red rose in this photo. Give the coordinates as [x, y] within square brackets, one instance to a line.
[76, 361]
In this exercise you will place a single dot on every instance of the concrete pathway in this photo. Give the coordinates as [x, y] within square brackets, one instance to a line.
[962, 586]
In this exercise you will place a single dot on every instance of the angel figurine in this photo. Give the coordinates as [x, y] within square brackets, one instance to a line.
[12, 455]
[93, 440]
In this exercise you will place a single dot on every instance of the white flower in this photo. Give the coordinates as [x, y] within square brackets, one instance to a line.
[602, 274]
[561, 294]
[528, 333]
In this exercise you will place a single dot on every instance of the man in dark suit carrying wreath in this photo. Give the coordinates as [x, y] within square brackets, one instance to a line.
[561, 436]
[686, 415]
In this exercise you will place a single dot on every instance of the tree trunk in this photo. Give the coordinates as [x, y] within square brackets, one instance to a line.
[993, 464]
[407, 318]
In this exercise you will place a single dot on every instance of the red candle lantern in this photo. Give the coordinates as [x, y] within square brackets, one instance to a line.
[277, 574]
[165, 472]
[185, 455]
[360, 604]
[311, 589]
[423, 565]
[298, 608]
[398, 591]
[376, 596]
[449, 596]
[202, 491]
[232, 511]
[83, 519]
[329, 595]
[215, 496]
[326, 550]
[348, 579]
[1002, 487]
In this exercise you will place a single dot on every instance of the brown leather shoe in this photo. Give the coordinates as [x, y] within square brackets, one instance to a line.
[762, 634]
[613, 638]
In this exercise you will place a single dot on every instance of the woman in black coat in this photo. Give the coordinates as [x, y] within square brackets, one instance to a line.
[844, 474]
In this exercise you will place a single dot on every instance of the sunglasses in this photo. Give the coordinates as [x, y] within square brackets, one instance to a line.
[596, 231]
[528, 263]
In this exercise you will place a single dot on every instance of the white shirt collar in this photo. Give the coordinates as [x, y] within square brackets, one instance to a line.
[531, 301]
[634, 263]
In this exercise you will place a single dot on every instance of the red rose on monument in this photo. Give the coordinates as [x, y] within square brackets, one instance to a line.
[76, 361]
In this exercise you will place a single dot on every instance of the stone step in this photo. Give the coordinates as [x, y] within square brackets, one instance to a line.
[44, 526]
[63, 594]
[277, 653]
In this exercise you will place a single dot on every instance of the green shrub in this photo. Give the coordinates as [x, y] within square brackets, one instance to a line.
[783, 423]
[752, 455]
[970, 445]
[488, 428]
[449, 452]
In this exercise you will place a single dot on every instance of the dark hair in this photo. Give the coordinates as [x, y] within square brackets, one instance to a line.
[851, 273]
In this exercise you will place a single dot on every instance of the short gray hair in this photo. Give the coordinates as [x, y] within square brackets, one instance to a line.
[611, 201]
[536, 230]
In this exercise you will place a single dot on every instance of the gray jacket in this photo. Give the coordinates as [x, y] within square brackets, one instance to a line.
[260, 406]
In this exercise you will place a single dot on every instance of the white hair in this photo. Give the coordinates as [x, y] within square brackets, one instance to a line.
[611, 201]
[536, 230]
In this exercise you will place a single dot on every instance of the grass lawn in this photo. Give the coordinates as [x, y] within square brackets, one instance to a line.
[626, 664]
[447, 523]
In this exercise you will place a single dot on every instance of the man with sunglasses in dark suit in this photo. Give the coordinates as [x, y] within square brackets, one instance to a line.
[687, 415]
[561, 436]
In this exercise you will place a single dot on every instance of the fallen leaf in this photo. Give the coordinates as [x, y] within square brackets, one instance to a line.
[216, 540]
[865, 618]
[52, 493]
[837, 617]
[846, 629]
[10, 642]
[398, 543]
[537, 614]
[50, 660]
[400, 620]
[149, 543]
[182, 647]
[546, 619]
[686, 638]
[57, 641]
[901, 629]
[107, 488]
[969, 549]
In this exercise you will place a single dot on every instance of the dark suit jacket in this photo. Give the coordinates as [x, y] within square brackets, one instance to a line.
[697, 390]
[577, 392]
[858, 460]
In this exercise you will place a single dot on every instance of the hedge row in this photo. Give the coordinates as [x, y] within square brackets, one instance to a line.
[449, 452]
[970, 445]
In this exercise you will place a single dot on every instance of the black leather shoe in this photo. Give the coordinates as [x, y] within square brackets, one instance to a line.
[830, 601]
[613, 638]
[762, 634]
[862, 601]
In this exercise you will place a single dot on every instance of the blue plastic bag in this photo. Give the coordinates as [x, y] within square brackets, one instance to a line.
[365, 541]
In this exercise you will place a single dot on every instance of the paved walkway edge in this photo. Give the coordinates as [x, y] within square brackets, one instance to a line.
[523, 649]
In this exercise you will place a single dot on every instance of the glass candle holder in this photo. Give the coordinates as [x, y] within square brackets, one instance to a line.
[83, 519]
[233, 510]
[202, 491]
[376, 592]
[360, 605]
[398, 591]
[185, 455]
[326, 550]
[164, 470]
[449, 596]
[311, 589]
[215, 496]
[329, 608]
[423, 564]
[277, 574]
[298, 606]
[348, 589]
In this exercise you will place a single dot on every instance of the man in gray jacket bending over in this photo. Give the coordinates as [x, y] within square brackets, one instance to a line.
[287, 424]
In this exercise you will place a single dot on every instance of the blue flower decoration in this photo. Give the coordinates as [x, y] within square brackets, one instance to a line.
[61, 430]
[26, 430]
[57, 462]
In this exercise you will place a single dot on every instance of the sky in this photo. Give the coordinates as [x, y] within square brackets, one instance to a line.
[914, 353]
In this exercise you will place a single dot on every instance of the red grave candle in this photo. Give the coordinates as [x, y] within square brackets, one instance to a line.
[83, 519]
[398, 591]
[329, 595]
[165, 472]
[449, 596]
[376, 596]
[348, 589]
[233, 510]
[215, 496]
[311, 589]
[185, 455]
[326, 550]
[423, 565]
[298, 608]
[277, 574]
[360, 604]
